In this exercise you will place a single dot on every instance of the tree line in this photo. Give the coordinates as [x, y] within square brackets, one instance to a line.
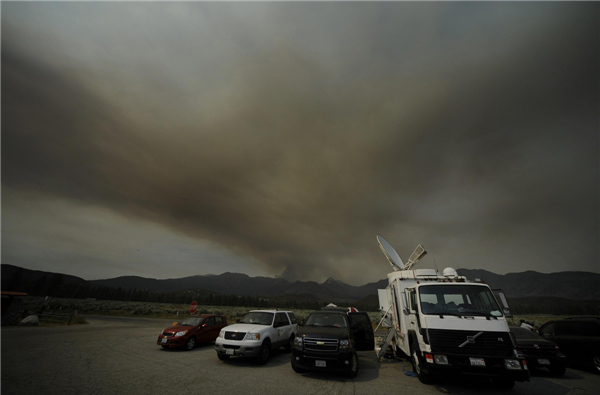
[55, 286]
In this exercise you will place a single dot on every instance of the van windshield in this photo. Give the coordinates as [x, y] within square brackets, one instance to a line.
[462, 300]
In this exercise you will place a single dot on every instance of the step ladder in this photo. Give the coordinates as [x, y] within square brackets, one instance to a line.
[391, 332]
[386, 343]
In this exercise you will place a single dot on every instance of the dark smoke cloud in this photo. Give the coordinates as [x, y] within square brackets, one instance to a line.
[477, 138]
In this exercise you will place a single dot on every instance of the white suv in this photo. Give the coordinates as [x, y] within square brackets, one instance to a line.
[255, 335]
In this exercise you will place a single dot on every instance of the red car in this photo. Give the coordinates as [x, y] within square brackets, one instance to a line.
[202, 328]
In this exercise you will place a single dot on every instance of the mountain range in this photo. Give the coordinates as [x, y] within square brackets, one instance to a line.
[570, 285]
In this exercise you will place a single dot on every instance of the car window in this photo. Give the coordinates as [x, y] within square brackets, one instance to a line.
[292, 318]
[210, 321]
[218, 320]
[566, 328]
[548, 329]
[281, 319]
[361, 319]
[337, 320]
[589, 329]
[258, 318]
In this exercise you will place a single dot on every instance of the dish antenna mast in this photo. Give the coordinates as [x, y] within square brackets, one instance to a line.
[393, 257]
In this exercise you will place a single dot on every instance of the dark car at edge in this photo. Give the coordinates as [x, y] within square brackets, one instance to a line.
[578, 338]
[539, 352]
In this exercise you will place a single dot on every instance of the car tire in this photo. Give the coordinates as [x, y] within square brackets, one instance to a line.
[557, 371]
[417, 364]
[290, 344]
[223, 357]
[596, 363]
[504, 384]
[190, 343]
[263, 354]
[353, 371]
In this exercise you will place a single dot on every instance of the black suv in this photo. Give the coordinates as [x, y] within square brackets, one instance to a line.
[329, 340]
[578, 339]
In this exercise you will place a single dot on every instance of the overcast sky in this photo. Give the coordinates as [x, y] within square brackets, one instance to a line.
[278, 139]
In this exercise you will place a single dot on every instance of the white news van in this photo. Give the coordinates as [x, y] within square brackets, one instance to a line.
[446, 324]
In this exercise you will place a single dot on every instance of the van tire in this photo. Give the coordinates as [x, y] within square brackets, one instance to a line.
[417, 363]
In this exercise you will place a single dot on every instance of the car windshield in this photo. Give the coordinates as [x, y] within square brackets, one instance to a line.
[524, 334]
[257, 318]
[336, 320]
[461, 300]
[192, 321]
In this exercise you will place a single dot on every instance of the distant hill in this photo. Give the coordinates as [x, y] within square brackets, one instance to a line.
[569, 285]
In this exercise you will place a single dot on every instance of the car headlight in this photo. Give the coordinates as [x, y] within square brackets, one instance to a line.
[252, 336]
[221, 334]
[180, 333]
[298, 341]
[512, 364]
[344, 343]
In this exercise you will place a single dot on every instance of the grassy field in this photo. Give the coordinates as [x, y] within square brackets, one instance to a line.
[33, 304]
[171, 311]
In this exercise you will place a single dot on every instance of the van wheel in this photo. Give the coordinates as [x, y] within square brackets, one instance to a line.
[424, 377]
[353, 372]
[191, 343]
[264, 352]
[504, 384]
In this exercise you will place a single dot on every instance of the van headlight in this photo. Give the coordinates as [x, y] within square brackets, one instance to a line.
[180, 333]
[221, 334]
[344, 344]
[252, 336]
[441, 359]
[298, 341]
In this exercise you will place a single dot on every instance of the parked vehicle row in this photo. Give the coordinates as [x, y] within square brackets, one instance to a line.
[328, 340]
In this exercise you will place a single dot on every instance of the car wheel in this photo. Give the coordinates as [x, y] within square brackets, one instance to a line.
[264, 352]
[223, 357]
[191, 343]
[353, 372]
[417, 367]
[290, 344]
[557, 371]
[596, 363]
[504, 384]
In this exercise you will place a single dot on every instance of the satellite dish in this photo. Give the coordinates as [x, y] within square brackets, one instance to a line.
[390, 253]
[417, 254]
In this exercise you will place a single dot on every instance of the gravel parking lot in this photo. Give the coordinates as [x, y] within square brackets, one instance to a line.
[119, 356]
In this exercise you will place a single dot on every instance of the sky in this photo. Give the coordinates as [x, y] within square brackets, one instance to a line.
[166, 140]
